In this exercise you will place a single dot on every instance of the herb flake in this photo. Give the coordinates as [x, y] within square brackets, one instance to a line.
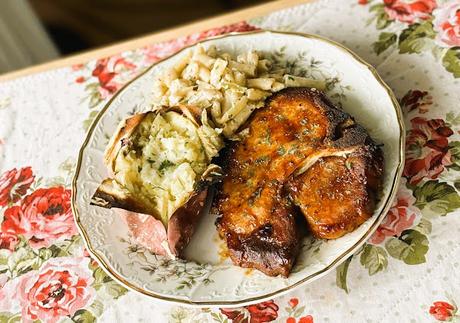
[164, 165]
[254, 196]
[268, 137]
[348, 164]
[262, 160]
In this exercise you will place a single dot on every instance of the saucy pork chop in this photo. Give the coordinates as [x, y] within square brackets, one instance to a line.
[337, 194]
[262, 190]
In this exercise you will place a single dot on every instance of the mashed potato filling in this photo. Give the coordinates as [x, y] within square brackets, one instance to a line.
[164, 159]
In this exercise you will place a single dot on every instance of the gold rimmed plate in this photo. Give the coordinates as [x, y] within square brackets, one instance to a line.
[204, 278]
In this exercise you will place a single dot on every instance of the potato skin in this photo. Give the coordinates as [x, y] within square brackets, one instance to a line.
[111, 194]
[169, 240]
[183, 222]
[124, 130]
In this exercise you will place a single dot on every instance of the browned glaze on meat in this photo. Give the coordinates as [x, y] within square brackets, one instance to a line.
[337, 194]
[297, 127]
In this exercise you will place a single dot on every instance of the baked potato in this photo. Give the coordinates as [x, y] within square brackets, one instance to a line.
[161, 165]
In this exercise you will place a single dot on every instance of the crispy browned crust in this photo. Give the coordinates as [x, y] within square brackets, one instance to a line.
[297, 128]
[270, 248]
[337, 194]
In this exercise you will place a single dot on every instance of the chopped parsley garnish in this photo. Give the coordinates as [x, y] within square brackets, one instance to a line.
[254, 196]
[293, 151]
[249, 182]
[280, 117]
[257, 192]
[157, 187]
[348, 165]
[268, 137]
[281, 151]
[262, 160]
[164, 165]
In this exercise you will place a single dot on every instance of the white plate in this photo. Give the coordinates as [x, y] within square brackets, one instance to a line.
[205, 278]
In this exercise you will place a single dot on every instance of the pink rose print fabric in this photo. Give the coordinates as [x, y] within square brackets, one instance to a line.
[443, 311]
[427, 149]
[42, 217]
[107, 72]
[401, 216]
[416, 100]
[60, 288]
[409, 11]
[156, 52]
[419, 26]
[8, 241]
[447, 24]
[258, 313]
[14, 183]
[46, 274]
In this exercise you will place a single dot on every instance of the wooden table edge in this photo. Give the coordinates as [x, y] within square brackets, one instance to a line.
[220, 20]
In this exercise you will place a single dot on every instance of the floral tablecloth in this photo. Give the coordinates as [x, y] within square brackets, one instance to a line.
[407, 272]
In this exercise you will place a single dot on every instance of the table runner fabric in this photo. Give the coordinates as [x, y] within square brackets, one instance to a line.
[408, 271]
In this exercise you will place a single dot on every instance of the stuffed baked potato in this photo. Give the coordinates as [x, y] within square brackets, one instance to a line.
[161, 165]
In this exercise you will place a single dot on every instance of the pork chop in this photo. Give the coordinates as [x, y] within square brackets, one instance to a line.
[261, 192]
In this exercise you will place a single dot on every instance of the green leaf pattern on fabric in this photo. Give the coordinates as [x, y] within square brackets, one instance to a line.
[440, 197]
[411, 247]
[374, 258]
[451, 61]
[424, 226]
[87, 123]
[385, 41]
[454, 149]
[25, 260]
[413, 37]
[83, 316]
[341, 274]
[381, 17]
[6, 317]
[417, 38]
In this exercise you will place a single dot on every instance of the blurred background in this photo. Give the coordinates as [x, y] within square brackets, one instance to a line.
[34, 31]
